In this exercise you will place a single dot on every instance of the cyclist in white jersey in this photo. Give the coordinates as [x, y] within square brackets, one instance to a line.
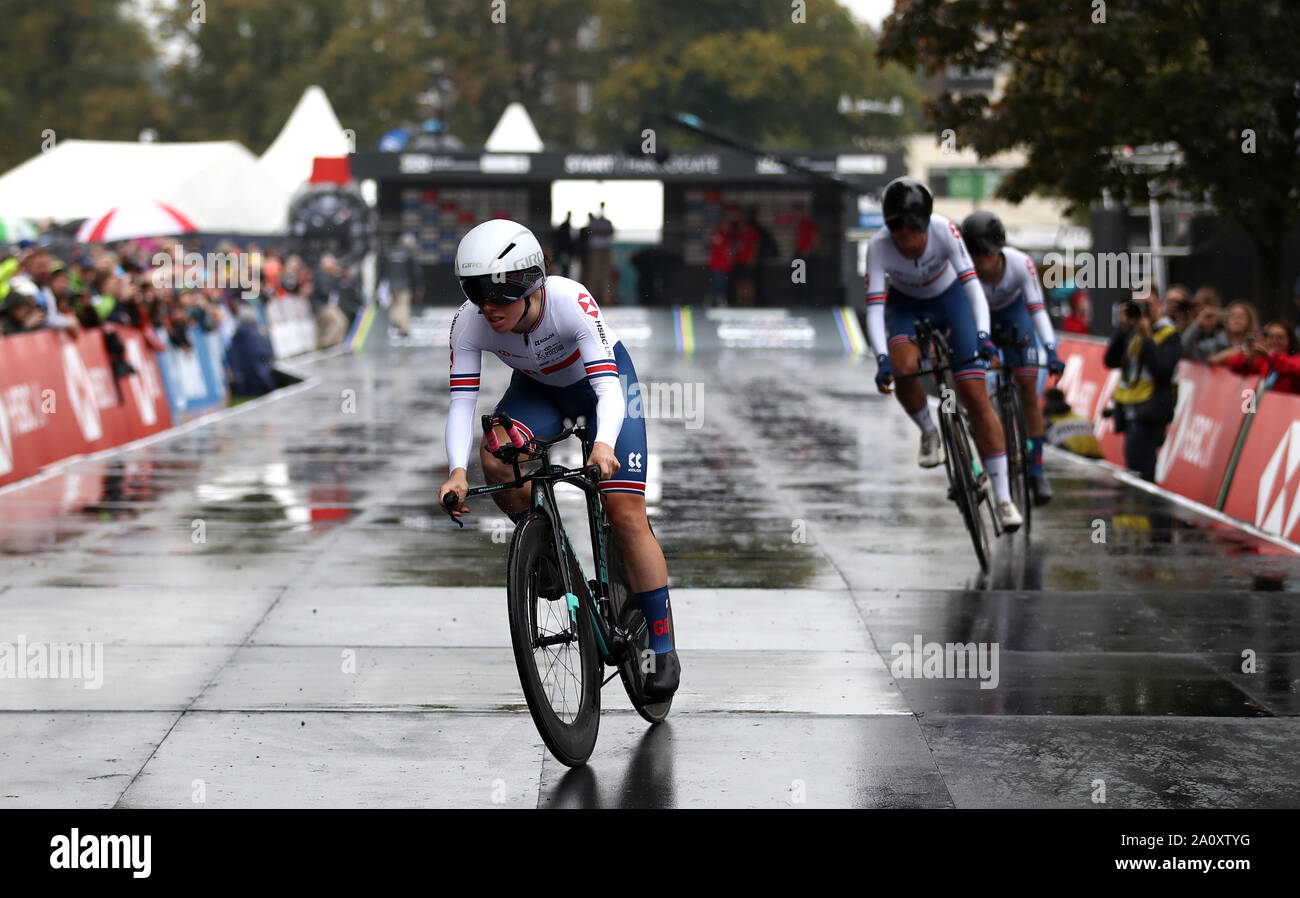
[567, 363]
[1015, 297]
[917, 266]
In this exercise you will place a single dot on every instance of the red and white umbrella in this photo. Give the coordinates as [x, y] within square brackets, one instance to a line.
[148, 218]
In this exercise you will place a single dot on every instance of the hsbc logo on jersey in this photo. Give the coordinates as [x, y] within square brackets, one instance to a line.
[588, 305]
[1276, 508]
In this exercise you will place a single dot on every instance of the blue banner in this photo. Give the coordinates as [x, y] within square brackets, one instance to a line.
[195, 378]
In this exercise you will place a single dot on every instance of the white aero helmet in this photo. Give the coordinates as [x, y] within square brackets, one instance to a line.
[499, 261]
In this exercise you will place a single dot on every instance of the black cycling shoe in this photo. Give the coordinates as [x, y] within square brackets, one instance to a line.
[1041, 489]
[664, 680]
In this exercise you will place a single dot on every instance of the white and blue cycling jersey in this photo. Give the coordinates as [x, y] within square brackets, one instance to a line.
[940, 284]
[1016, 302]
[570, 363]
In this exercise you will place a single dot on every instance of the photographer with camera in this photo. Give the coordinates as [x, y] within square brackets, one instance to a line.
[1146, 349]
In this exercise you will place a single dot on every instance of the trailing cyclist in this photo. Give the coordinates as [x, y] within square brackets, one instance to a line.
[567, 363]
[1015, 299]
[918, 266]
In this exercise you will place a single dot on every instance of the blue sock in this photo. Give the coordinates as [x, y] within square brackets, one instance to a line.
[1036, 456]
[654, 604]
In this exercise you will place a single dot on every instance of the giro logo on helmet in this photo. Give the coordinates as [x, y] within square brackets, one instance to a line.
[511, 256]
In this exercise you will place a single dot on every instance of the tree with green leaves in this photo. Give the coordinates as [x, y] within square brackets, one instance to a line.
[772, 73]
[1218, 78]
[76, 68]
[241, 65]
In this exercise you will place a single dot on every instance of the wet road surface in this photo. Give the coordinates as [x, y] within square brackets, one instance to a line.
[287, 620]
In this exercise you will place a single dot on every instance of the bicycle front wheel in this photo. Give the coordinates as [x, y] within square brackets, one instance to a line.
[554, 645]
[1013, 428]
[960, 461]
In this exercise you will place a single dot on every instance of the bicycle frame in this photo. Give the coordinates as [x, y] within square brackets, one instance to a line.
[543, 481]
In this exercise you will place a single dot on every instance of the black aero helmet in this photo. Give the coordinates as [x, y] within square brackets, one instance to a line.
[906, 202]
[983, 233]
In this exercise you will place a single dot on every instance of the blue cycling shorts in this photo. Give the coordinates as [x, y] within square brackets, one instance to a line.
[540, 410]
[1024, 361]
[948, 311]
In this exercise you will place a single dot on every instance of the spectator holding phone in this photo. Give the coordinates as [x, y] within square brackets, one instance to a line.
[1241, 322]
[1271, 355]
[1146, 349]
[1206, 336]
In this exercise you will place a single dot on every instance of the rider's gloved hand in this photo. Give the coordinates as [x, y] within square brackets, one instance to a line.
[986, 349]
[884, 373]
[1054, 365]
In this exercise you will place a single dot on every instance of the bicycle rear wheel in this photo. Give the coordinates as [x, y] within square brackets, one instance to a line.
[630, 619]
[1013, 429]
[967, 492]
[559, 666]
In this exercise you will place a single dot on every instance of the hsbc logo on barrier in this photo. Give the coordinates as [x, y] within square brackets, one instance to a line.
[1276, 508]
[1184, 441]
[6, 443]
[1079, 393]
[81, 394]
[144, 383]
[1086, 396]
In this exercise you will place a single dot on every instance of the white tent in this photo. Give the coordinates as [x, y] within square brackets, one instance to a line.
[218, 184]
[312, 130]
[514, 133]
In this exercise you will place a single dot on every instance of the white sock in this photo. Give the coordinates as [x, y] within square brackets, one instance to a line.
[997, 468]
[923, 419]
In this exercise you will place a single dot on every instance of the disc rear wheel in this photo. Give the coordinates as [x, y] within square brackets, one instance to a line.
[631, 621]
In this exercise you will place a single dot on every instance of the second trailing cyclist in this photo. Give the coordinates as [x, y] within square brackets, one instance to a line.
[918, 266]
[1015, 299]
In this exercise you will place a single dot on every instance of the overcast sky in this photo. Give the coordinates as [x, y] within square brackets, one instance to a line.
[870, 11]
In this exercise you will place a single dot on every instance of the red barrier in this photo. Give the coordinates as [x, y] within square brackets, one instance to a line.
[1088, 385]
[1212, 405]
[58, 398]
[1212, 408]
[1265, 486]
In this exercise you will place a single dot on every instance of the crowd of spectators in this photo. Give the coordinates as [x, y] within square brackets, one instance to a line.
[136, 284]
[1231, 337]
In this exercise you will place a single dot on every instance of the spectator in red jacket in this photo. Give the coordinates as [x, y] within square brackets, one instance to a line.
[720, 261]
[1272, 355]
[1079, 321]
[745, 259]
